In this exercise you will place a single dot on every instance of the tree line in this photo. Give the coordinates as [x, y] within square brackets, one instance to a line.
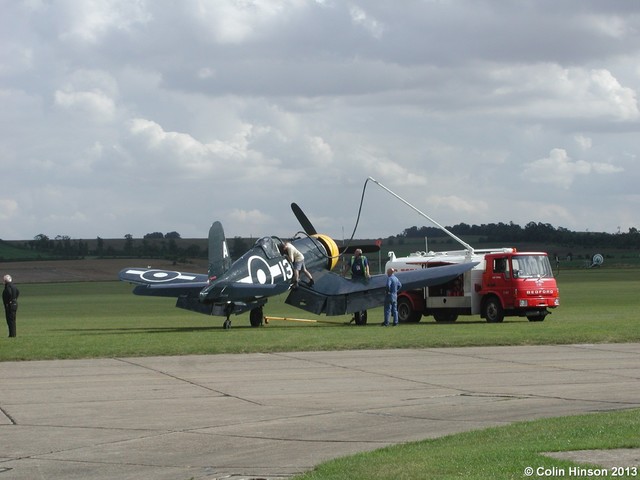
[532, 232]
[172, 246]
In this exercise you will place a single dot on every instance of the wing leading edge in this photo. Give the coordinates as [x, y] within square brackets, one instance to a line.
[335, 295]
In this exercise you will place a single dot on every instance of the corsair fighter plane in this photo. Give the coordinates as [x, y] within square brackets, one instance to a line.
[246, 284]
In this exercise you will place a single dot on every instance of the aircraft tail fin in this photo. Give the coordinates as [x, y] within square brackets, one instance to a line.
[219, 258]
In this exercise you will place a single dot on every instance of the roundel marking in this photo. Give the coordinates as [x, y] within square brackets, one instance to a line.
[159, 275]
[259, 270]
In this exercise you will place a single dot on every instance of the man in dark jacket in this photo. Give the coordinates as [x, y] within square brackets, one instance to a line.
[10, 300]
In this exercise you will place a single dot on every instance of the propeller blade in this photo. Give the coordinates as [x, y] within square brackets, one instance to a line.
[364, 248]
[302, 218]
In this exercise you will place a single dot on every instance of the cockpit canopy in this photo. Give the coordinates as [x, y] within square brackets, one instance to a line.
[269, 246]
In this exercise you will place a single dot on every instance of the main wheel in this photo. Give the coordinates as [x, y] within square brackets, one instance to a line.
[256, 316]
[406, 313]
[360, 317]
[493, 311]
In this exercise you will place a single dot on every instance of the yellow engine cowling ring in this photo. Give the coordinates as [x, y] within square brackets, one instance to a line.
[333, 253]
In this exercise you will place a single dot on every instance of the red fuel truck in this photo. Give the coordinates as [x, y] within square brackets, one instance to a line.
[504, 283]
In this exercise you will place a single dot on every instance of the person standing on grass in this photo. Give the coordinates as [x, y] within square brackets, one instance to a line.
[391, 298]
[10, 300]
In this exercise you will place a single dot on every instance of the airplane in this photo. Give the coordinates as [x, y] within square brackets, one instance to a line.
[263, 271]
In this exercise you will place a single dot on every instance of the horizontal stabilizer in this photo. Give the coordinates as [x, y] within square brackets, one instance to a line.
[163, 283]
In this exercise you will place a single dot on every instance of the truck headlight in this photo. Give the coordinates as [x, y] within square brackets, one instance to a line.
[523, 303]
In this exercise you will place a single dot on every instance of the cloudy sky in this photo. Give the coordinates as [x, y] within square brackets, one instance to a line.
[134, 116]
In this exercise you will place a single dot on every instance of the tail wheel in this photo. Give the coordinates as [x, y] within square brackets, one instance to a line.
[493, 311]
[406, 313]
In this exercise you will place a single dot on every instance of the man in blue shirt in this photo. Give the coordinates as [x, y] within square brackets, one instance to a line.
[391, 298]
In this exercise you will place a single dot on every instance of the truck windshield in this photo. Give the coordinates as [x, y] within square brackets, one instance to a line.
[530, 266]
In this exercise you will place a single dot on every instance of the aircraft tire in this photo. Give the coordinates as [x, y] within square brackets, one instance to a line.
[256, 317]
[360, 317]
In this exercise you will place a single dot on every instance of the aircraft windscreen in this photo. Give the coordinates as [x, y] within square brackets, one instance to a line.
[531, 266]
[268, 246]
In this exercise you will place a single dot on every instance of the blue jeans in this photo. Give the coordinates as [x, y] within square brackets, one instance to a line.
[390, 308]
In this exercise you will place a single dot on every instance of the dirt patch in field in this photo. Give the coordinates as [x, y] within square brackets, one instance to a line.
[87, 270]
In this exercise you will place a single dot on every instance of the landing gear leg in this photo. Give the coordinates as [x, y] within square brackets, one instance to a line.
[228, 310]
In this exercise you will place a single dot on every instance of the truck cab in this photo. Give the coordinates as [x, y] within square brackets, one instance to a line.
[519, 284]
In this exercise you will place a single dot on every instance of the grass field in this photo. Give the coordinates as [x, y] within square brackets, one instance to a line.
[103, 319]
[494, 453]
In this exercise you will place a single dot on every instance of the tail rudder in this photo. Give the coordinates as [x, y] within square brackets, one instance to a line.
[219, 258]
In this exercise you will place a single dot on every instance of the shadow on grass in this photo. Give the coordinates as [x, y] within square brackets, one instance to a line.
[136, 330]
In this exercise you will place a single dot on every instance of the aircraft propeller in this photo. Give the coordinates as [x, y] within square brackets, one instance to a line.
[304, 221]
[310, 230]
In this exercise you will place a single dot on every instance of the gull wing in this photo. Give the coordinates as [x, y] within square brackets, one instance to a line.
[332, 294]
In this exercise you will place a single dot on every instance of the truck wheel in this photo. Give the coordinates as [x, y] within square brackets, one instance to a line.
[406, 313]
[445, 317]
[493, 310]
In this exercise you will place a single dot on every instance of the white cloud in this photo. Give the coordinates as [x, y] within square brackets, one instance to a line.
[8, 208]
[552, 91]
[585, 143]
[560, 170]
[233, 22]
[360, 17]
[90, 20]
[95, 103]
[459, 205]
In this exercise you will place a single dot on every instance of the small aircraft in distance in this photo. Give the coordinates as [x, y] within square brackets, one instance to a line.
[262, 272]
